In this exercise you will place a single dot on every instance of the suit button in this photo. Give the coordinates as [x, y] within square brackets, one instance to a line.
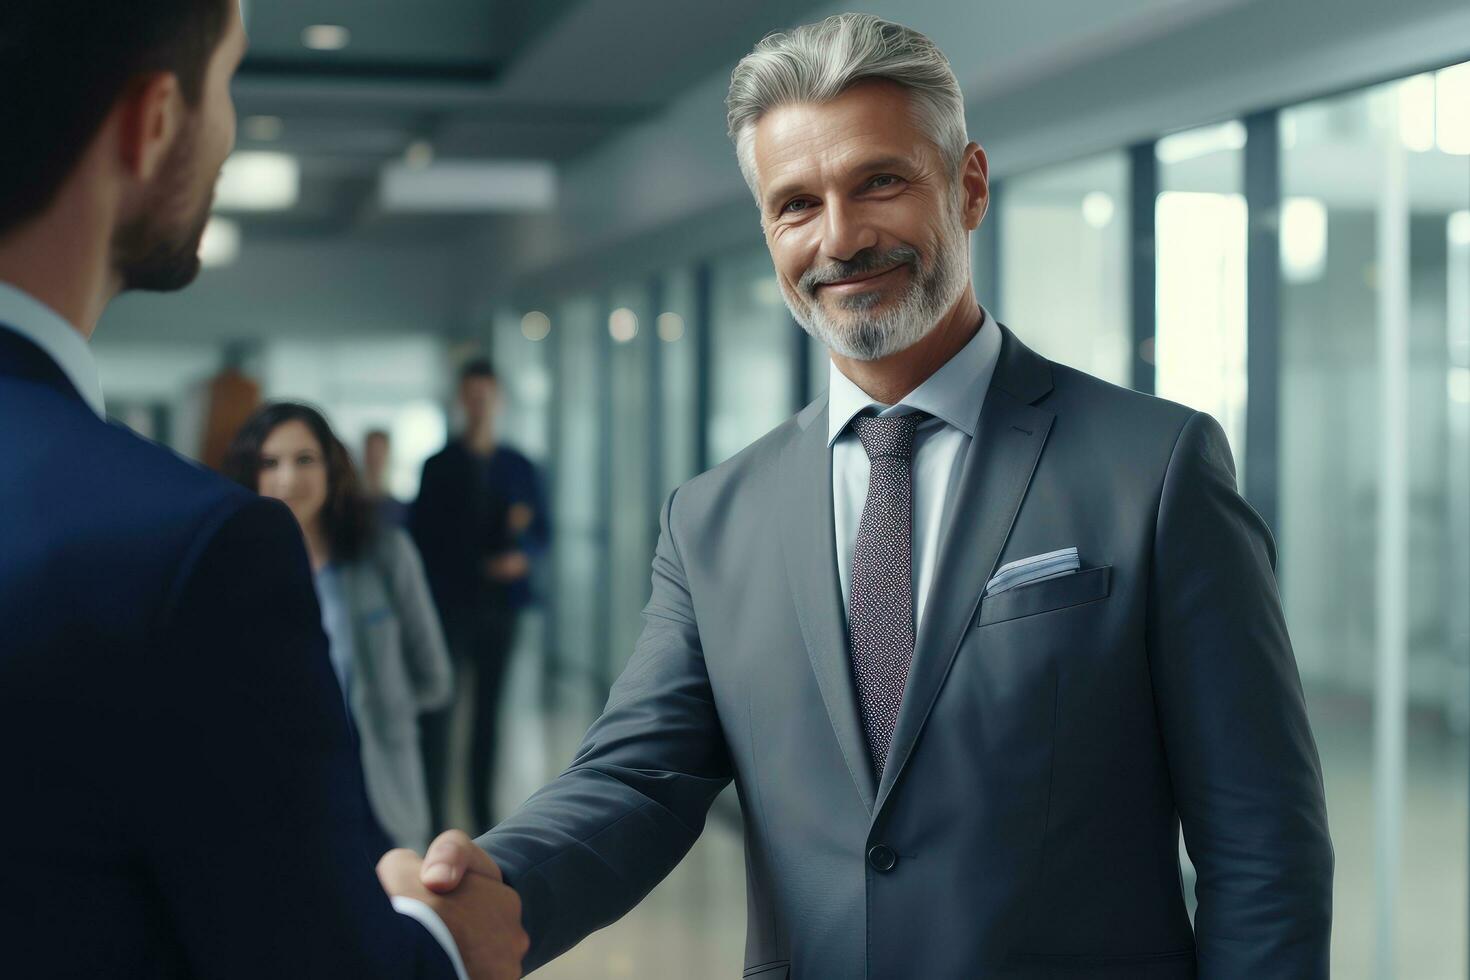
[882, 858]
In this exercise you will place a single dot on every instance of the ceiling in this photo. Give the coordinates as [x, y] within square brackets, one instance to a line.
[473, 79]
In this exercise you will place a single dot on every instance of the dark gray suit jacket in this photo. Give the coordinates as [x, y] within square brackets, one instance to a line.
[1052, 738]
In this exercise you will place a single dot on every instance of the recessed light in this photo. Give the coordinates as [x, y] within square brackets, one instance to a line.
[258, 181]
[535, 325]
[326, 37]
[220, 244]
[622, 324]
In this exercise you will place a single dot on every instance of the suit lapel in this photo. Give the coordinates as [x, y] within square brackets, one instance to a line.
[997, 472]
[808, 541]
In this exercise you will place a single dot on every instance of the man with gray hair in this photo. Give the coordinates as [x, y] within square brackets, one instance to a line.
[974, 633]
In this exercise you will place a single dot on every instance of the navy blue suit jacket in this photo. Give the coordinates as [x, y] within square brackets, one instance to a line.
[182, 797]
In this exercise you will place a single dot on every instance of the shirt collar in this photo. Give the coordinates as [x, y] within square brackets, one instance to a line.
[952, 394]
[57, 339]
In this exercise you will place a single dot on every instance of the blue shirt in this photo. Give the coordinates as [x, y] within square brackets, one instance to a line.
[331, 592]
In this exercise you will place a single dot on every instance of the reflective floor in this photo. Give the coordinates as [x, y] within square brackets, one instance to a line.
[693, 925]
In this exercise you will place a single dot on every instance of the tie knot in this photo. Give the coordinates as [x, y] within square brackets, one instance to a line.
[888, 435]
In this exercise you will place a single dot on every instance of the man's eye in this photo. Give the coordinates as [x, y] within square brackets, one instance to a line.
[267, 464]
[796, 206]
[883, 180]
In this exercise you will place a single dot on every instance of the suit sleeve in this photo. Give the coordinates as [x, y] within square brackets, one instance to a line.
[1246, 775]
[424, 649]
[591, 844]
[258, 831]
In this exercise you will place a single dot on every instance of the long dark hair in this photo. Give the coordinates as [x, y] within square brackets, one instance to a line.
[347, 516]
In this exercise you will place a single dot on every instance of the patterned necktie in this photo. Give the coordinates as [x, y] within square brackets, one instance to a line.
[880, 616]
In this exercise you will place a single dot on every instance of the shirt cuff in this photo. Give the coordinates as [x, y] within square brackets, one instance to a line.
[429, 919]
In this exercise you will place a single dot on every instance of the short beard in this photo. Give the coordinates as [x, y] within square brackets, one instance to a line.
[937, 284]
[155, 251]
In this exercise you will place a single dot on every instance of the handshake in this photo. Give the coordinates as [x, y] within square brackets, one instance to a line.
[463, 886]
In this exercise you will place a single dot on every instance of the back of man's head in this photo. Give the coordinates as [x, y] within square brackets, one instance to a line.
[63, 66]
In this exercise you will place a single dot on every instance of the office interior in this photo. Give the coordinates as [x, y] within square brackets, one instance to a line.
[1258, 208]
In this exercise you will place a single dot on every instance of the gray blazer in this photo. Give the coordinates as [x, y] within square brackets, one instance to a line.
[1052, 739]
[401, 667]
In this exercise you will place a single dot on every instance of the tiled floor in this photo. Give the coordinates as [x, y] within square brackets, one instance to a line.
[693, 925]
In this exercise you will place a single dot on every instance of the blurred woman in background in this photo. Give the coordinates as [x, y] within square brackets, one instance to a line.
[386, 643]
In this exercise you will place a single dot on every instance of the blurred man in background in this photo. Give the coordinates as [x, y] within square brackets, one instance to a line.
[183, 794]
[377, 455]
[480, 521]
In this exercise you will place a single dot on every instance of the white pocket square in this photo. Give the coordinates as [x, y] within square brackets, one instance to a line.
[1024, 571]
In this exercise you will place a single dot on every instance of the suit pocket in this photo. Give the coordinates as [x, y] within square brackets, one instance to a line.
[1087, 585]
[780, 970]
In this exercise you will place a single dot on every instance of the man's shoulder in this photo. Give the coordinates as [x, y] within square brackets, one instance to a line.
[94, 512]
[1109, 410]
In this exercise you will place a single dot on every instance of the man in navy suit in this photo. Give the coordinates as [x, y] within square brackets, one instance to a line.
[182, 794]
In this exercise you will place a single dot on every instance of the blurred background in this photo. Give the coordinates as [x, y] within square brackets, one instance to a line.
[1260, 208]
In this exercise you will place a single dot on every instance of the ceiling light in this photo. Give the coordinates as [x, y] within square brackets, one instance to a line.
[1303, 239]
[1457, 228]
[326, 37]
[468, 186]
[622, 324]
[1200, 142]
[220, 244]
[258, 181]
[1452, 109]
[670, 327]
[264, 129]
[535, 325]
[1097, 209]
[1416, 113]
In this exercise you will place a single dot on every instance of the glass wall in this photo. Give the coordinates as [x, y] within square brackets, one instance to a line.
[1064, 264]
[633, 514]
[1200, 234]
[751, 339]
[1374, 407]
[677, 350]
[578, 331]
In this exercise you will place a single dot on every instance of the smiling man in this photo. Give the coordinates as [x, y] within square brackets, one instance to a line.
[974, 633]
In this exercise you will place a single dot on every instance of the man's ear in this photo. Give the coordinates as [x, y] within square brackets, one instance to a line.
[975, 180]
[150, 119]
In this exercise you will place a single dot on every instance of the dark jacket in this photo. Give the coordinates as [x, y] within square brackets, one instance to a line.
[461, 518]
[181, 789]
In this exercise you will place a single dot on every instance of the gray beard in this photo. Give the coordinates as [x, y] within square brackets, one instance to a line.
[935, 288]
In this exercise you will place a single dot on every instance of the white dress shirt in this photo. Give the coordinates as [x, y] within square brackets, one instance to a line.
[58, 339]
[952, 396]
[65, 345]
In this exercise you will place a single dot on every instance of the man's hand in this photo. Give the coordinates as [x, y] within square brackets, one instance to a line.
[451, 855]
[483, 914]
[519, 517]
[512, 566]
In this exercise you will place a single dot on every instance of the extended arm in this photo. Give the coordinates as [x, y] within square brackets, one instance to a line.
[587, 847]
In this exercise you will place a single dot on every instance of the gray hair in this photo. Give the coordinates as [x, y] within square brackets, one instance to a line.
[818, 62]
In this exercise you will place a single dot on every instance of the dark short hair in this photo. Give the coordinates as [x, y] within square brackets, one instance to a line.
[347, 516]
[63, 66]
[479, 367]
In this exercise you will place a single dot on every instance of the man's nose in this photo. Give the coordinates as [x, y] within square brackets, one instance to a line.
[846, 232]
